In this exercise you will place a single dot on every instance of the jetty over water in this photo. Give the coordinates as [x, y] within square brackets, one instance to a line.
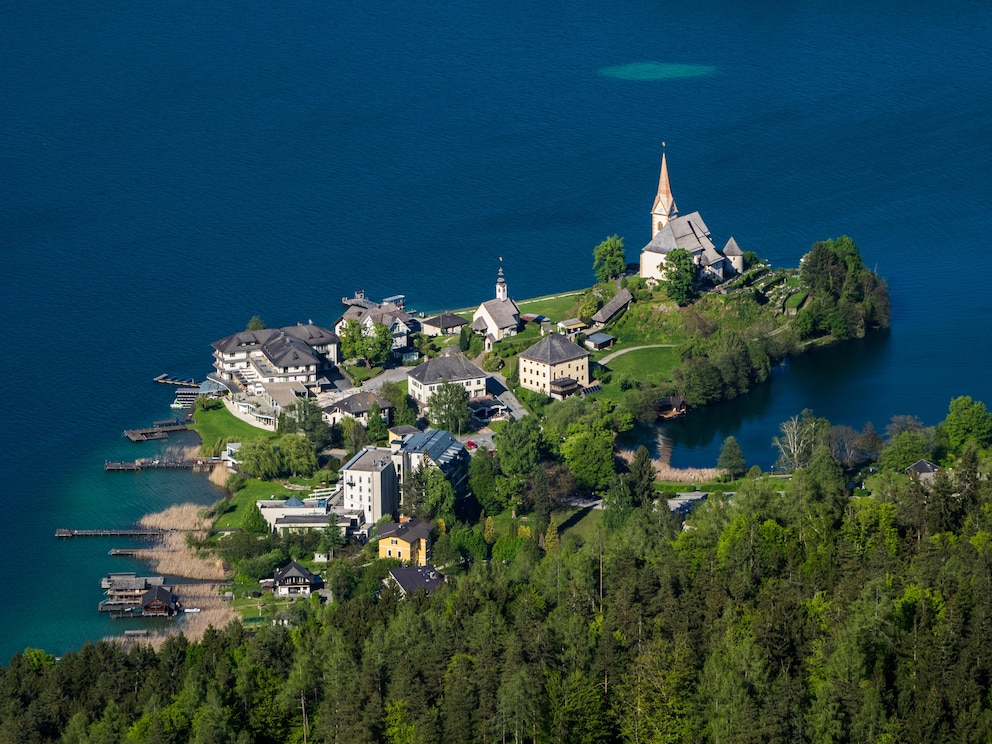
[158, 430]
[133, 466]
[134, 532]
[167, 380]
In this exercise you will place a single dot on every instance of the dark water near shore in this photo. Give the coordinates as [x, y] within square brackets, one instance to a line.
[169, 170]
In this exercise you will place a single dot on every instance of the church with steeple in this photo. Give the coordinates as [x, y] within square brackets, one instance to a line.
[669, 231]
[498, 318]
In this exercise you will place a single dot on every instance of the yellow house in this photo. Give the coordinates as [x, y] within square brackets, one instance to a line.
[408, 541]
[554, 366]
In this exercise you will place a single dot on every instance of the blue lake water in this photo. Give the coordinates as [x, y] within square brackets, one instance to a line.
[168, 170]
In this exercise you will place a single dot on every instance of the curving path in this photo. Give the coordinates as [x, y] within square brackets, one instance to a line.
[615, 354]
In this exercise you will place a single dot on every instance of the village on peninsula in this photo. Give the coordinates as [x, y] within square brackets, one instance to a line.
[403, 433]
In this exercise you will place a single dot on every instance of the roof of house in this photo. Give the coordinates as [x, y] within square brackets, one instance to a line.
[923, 467]
[451, 368]
[505, 313]
[445, 321]
[554, 349]
[600, 338]
[285, 394]
[439, 445]
[620, 300]
[306, 336]
[358, 403]
[159, 593]
[412, 579]
[314, 335]
[409, 531]
[370, 459]
[571, 323]
[688, 232]
[291, 570]
[386, 313]
[283, 350]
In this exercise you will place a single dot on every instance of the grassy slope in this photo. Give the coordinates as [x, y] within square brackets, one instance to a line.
[220, 423]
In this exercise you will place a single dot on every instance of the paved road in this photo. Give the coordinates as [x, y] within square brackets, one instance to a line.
[615, 354]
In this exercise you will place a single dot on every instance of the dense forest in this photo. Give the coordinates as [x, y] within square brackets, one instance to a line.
[798, 608]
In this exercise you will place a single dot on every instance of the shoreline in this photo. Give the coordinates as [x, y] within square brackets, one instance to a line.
[171, 556]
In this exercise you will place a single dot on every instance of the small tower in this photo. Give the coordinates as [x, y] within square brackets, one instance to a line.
[501, 293]
[664, 208]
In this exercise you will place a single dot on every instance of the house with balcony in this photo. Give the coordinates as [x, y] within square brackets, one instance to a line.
[293, 580]
[554, 366]
[294, 354]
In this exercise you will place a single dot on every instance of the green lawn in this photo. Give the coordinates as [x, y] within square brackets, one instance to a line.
[646, 365]
[219, 424]
[557, 307]
[254, 490]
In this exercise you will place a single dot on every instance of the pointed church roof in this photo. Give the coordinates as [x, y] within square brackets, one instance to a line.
[664, 202]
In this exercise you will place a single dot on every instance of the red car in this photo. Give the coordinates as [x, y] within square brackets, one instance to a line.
[470, 444]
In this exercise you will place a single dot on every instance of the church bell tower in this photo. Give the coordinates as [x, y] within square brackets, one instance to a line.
[501, 292]
[664, 209]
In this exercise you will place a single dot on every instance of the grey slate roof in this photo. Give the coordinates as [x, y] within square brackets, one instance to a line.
[412, 579]
[620, 300]
[314, 335]
[359, 403]
[445, 321]
[369, 459]
[294, 569]
[554, 349]
[732, 249]
[451, 368]
[244, 340]
[411, 530]
[288, 351]
[688, 232]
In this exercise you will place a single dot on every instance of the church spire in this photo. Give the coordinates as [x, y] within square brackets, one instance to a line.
[501, 293]
[664, 208]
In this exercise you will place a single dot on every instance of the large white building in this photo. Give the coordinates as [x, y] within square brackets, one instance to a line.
[669, 231]
[294, 354]
[369, 484]
[425, 378]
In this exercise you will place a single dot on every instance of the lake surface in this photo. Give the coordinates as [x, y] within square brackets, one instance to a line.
[168, 170]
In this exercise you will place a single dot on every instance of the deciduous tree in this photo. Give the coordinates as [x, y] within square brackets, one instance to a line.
[680, 276]
[609, 258]
[448, 408]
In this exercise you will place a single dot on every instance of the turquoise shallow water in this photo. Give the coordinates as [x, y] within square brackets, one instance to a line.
[170, 170]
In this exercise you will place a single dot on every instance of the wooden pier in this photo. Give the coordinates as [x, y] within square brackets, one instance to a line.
[133, 466]
[167, 380]
[135, 532]
[158, 430]
[122, 551]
